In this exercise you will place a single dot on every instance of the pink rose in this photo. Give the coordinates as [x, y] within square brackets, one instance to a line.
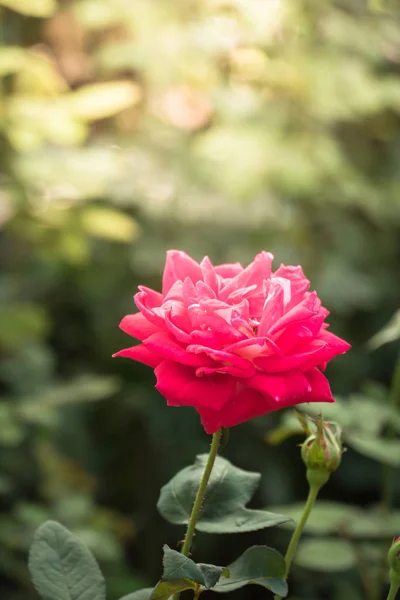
[233, 342]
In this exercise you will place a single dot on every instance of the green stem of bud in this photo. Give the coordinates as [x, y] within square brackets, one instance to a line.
[317, 480]
[388, 471]
[392, 591]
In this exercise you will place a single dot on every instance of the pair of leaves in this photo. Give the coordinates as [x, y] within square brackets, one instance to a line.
[224, 511]
[62, 567]
[181, 573]
[258, 565]
[178, 566]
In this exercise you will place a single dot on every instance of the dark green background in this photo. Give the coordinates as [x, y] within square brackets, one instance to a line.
[249, 130]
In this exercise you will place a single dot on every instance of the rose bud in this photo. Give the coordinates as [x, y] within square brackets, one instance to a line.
[322, 451]
[394, 573]
[394, 558]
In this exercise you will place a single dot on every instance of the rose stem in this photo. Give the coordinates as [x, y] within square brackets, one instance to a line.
[198, 503]
[311, 498]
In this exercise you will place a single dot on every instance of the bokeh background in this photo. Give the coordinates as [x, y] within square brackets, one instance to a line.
[218, 127]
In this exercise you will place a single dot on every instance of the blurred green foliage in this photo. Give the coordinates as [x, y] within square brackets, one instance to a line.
[219, 127]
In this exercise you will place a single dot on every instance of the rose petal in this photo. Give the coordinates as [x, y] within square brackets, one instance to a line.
[299, 284]
[137, 326]
[245, 404]
[228, 369]
[180, 386]
[190, 293]
[320, 388]
[302, 312]
[140, 354]
[228, 270]
[163, 345]
[209, 275]
[201, 319]
[311, 356]
[144, 301]
[226, 358]
[209, 338]
[335, 343]
[210, 419]
[217, 307]
[254, 347]
[255, 273]
[296, 335]
[153, 298]
[273, 308]
[238, 295]
[204, 291]
[179, 266]
[178, 323]
[175, 293]
[282, 388]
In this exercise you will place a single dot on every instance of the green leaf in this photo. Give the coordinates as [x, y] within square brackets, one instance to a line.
[83, 388]
[325, 555]
[382, 450]
[331, 517]
[224, 511]
[11, 59]
[389, 333]
[109, 223]
[165, 589]
[374, 524]
[326, 517]
[101, 100]
[259, 565]
[178, 566]
[62, 567]
[32, 8]
[212, 574]
[366, 415]
[144, 594]
[20, 323]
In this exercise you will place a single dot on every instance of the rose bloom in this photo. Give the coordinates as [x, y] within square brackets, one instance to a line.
[233, 342]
